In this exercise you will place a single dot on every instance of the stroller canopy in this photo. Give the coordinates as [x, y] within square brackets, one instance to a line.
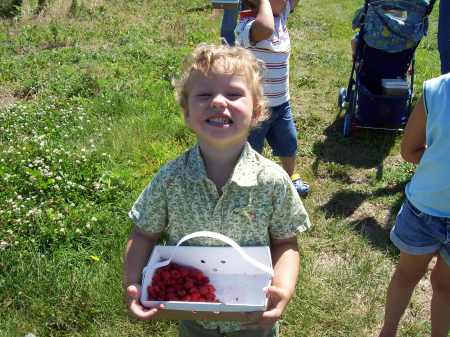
[393, 26]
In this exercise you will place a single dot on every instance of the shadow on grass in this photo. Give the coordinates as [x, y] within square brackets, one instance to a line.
[363, 149]
[199, 9]
[344, 204]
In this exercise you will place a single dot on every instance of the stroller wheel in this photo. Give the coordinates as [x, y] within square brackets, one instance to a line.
[347, 127]
[341, 97]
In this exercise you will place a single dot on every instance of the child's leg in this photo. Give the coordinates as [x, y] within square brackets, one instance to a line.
[440, 302]
[288, 163]
[229, 21]
[408, 273]
[282, 138]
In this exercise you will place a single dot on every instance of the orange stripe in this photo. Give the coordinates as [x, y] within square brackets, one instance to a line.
[247, 14]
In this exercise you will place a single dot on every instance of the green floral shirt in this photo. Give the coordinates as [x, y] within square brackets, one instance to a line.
[258, 202]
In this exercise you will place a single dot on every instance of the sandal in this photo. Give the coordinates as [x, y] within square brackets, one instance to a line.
[301, 187]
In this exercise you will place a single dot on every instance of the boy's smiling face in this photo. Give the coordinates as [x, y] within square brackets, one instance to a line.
[219, 109]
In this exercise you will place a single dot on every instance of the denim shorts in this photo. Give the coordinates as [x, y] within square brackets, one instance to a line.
[193, 329]
[417, 233]
[279, 130]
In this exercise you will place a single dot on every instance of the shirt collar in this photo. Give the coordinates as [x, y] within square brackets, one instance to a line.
[244, 174]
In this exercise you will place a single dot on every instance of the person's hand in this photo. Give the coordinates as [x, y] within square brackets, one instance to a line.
[278, 300]
[135, 306]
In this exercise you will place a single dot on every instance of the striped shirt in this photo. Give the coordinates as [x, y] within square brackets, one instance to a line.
[274, 52]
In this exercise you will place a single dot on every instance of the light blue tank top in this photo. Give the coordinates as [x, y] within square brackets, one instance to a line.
[429, 188]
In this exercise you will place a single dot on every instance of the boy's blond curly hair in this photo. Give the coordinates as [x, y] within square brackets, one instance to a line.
[226, 60]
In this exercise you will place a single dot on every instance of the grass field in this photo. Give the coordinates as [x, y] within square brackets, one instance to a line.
[88, 115]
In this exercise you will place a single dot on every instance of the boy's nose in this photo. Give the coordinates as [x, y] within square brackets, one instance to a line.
[219, 100]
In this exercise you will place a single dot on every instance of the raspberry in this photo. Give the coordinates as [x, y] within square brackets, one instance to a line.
[184, 272]
[210, 297]
[198, 275]
[189, 284]
[165, 275]
[180, 283]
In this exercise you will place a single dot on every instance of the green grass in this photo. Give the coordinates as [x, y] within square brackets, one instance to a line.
[88, 115]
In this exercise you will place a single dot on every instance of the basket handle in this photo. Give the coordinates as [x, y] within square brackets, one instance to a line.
[222, 238]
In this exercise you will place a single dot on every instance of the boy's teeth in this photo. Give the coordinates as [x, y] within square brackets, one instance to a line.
[219, 120]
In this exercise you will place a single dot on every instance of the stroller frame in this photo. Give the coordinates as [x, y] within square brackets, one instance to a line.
[348, 97]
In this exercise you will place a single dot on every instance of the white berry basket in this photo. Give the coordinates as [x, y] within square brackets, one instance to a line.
[239, 274]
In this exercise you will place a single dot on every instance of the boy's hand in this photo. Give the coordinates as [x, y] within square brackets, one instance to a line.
[135, 306]
[278, 300]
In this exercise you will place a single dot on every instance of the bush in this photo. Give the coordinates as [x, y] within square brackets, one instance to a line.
[10, 8]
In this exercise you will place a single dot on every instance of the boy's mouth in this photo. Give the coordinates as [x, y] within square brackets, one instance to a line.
[219, 121]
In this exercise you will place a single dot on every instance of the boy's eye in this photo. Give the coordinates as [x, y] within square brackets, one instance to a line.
[203, 95]
[234, 95]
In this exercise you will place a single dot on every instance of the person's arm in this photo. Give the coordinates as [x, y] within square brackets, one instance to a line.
[263, 26]
[139, 247]
[413, 143]
[286, 262]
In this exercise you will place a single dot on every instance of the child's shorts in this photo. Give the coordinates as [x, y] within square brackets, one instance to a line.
[193, 329]
[279, 130]
[417, 233]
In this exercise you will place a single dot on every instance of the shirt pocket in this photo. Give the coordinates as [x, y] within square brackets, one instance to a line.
[250, 224]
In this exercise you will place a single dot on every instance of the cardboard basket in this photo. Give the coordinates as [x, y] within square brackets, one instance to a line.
[239, 274]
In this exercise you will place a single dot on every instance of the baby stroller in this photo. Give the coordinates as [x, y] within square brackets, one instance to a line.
[380, 88]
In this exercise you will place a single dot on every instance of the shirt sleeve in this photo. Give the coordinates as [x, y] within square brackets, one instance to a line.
[290, 216]
[242, 33]
[149, 212]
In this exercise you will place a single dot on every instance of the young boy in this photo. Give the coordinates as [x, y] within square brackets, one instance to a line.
[263, 31]
[220, 185]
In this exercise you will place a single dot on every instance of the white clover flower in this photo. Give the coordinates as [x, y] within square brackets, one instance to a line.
[3, 245]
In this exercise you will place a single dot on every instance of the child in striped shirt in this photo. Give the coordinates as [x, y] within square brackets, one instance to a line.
[263, 31]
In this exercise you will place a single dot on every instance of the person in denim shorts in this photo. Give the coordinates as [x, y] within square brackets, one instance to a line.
[262, 29]
[422, 228]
